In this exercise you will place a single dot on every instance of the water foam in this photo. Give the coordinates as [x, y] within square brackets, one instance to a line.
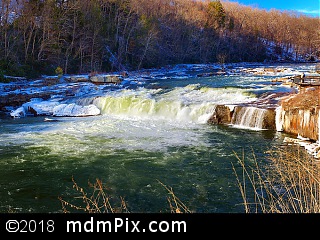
[188, 104]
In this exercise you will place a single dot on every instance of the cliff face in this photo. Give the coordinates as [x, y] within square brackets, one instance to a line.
[302, 122]
[299, 114]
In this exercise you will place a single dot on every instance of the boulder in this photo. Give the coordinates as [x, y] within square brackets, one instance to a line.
[221, 115]
[100, 79]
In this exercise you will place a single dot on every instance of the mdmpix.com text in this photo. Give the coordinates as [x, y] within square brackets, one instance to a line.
[120, 225]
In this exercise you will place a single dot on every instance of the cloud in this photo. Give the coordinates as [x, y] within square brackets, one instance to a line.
[315, 12]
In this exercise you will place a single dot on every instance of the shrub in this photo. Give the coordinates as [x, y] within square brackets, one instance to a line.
[59, 71]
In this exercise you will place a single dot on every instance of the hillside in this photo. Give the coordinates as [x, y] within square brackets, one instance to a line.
[82, 36]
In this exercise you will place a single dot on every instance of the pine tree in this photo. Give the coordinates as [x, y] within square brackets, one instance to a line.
[216, 15]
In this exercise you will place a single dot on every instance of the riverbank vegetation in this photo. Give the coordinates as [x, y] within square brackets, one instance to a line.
[290, 183]
[100, 201]
[82, 36]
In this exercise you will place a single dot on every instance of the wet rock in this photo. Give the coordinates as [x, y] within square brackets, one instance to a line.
[106, 79]
[15, 100]
[303, 122]
[221, 115]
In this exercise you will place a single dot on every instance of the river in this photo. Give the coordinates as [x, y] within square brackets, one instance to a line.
[155, 132]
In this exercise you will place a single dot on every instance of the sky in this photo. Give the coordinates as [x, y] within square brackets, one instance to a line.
[308, 7]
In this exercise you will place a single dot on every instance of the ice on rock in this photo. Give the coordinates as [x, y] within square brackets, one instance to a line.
[74, 110]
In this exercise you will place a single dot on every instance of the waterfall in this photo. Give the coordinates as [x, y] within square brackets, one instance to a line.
[250, 117]
[280, 113]
[85, 101]
[144, 107]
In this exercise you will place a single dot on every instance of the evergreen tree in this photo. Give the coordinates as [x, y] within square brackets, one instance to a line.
[216, 15]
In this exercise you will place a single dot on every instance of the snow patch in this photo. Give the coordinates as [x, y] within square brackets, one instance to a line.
[74, 110]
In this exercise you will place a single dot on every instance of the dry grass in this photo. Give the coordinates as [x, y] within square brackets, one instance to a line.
[176, 205]
[100, 202]
[303, 99]
[289, 184]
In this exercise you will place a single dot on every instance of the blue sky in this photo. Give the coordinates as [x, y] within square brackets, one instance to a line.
[309, 7]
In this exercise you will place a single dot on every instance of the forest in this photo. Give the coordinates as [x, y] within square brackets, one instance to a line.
[85, 36]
